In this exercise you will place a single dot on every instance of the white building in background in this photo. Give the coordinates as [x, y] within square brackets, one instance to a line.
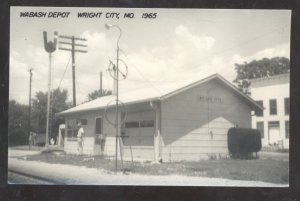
[273, 93]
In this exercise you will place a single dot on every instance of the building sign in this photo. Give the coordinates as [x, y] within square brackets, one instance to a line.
[210, 99]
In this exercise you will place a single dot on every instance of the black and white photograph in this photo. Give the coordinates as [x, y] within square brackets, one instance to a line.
[149, 97]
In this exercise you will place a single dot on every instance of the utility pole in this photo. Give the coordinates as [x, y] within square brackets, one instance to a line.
[29, 110]
[100, 84]
[73, 49]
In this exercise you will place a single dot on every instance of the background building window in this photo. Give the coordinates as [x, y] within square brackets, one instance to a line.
[287, 106]
[273, 107]
[273, 124]
[260, 113]
[98, 125]
[287, 129]
[260, 127]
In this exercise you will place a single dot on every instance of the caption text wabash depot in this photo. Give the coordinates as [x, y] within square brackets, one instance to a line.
[107, 15]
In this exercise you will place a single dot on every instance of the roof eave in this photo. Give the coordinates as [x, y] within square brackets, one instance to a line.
[254, 105]
[66, 113]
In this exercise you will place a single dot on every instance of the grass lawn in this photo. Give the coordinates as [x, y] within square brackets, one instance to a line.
[267, 170]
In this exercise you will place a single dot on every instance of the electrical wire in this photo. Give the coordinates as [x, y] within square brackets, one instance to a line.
[204, 58]
[143, 77]
[52, 96]
[82, 94]
[64, 72]
[236, 45]
[62, 77]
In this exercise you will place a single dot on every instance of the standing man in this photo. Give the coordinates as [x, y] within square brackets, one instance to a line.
[80, 138]
[30, 140]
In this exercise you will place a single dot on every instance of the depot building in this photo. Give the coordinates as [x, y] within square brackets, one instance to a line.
[171, 122]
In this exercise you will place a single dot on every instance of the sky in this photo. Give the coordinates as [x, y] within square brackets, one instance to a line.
[179, 44]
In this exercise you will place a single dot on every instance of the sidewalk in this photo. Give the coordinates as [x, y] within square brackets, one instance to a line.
[68, 174]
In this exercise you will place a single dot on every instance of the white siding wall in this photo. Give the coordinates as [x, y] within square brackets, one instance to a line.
[89, 146]
[187, 122]
[140, 139]
[109, 131]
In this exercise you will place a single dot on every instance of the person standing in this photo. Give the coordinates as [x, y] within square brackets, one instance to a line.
[30, 140]
[80, 138]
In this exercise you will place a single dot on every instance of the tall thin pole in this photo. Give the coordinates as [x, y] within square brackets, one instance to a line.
[100, 83]
[73, 71]
[48, 102]
[117, 105]
[29, 109]
[49, 47]
[116, 75]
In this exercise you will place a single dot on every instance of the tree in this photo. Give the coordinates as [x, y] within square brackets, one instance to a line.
[39, 110]
[17, 123]
[257, 69]
[96, 94]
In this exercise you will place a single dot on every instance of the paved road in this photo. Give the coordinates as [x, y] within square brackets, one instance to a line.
[68, 174]
[16, 178]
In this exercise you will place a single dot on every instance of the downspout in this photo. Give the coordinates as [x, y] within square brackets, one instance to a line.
[156, 107]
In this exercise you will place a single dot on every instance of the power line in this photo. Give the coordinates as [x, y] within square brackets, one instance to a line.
[204, 58]
[219, 52]
[73, 48]
[236, 45]
[64, 72]
[82, 94]
[53, 95]
[148, 81]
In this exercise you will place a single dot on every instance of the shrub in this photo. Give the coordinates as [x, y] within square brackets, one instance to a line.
[242, 142]
[17, 138]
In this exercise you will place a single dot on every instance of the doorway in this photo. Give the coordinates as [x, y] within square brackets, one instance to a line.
[274, 132]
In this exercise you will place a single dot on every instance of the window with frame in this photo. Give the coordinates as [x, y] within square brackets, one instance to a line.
[287, 106]
[273, 107]
[260, 113]
[148, 123]
[273, 124]
[287, 129]
[72, 128]
[132, 124]
[260, 127]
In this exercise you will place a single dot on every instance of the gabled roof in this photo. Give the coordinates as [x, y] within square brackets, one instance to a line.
[153, 93]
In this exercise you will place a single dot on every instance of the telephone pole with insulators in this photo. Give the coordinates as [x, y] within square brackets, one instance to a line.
[72, 48]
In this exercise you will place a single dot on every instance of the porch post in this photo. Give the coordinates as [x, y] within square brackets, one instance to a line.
[156, 107]
[59, 135]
